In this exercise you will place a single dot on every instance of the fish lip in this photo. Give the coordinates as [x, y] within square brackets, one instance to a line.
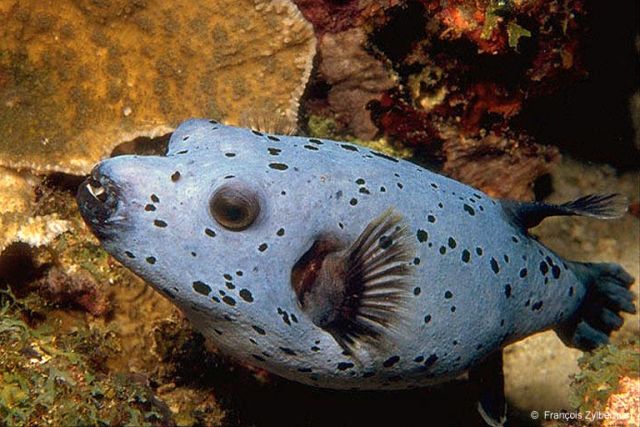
[97, 198]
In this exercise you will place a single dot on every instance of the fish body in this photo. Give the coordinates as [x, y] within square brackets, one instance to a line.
[337, 266]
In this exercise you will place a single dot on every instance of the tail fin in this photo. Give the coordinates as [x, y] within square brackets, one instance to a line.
[607, 295]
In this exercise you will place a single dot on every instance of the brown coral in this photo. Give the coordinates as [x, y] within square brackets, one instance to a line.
[78, 77]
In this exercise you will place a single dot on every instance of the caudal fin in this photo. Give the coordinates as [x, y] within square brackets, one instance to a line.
[607, 296]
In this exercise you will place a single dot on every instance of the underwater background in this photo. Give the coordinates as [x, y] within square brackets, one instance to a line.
[527, 100]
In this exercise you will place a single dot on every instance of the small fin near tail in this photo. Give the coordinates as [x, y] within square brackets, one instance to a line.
[607, 295]
[602, 206]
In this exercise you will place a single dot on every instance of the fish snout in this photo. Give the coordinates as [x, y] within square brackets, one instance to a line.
[97, 198]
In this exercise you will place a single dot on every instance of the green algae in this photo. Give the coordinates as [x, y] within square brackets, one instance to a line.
[326, 127]
[56, 379]
[600, 373]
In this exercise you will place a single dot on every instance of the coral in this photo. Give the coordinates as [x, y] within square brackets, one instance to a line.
[330, 16]
[356, 78]
[401, 122]
[601, 375]
[16, 202]
[500, 166]
[78, 289]
[623, 407]
[79, 78]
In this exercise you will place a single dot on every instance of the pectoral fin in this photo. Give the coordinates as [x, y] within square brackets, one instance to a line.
[357, 293]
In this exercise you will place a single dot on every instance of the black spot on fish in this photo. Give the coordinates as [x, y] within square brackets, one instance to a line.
[151, 260]
[353, 201]
[182, 152]
[129, 254]
[469, 209]
[227, 276]
[544, 268]
[453, 308]
[258, 358]
[384, 242]
[427, 318]
[434, 185]
[159, 223]
[383, 189]
[155, 198]
[228, 300]
[259, 330]
[400, 186]
[175, 176]
[343, 366]
[311, 147]
[255, 132]
[273, 138]
[245, 294]
[430, 360]
[523, 273]
[416, 291]
[536, 306]
[201, 288]
[452, 243]
[466, 256]
[515, 239]
[494, 266]
[364, 190]
[185, 138]
[280, 232]
[315, 348]
[288, 351]
[274, 151]
[149, 208]
[368, 374]
[384, 156]
[555, 271]
[571, 291]
[479, 251]
[263, 247]
[391, 361]
[422, 236]
[315, 141]
[360, 181]
[209, 232]
[419, 359]
[349, 147]
[431, 218]
[230, 154]
[443, 250]
[416, 261]
[215, 299]
[448, 295]
[507, 290]
[278, 166]
[230, 285]
[305, 370]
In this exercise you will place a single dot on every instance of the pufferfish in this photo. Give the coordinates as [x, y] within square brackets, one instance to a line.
[337, 266]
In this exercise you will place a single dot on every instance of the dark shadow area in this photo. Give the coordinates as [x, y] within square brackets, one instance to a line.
[591, 119]
[143, 146]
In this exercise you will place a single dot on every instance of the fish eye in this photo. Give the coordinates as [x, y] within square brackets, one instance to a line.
[235, 207]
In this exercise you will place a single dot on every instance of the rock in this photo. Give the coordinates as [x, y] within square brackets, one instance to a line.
[356, 78]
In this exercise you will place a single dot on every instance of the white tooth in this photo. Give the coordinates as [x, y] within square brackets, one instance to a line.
[95, 192]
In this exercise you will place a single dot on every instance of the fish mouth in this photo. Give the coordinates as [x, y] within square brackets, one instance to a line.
[97, 198]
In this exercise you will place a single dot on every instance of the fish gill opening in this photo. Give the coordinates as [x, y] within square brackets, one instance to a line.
[305, 270]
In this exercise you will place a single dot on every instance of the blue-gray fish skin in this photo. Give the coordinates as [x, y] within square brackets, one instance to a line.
[470, 279]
